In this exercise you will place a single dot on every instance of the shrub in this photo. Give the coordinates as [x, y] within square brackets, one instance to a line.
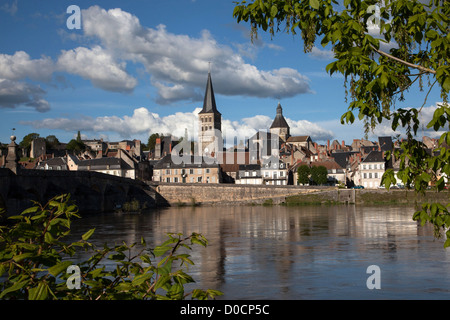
[34, 261]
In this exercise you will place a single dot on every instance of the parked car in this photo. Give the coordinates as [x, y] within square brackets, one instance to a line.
[358, 187]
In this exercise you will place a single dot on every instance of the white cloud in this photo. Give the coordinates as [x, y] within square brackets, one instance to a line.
[19, 66]
[143, 123]
[98, 66]
[178, 64]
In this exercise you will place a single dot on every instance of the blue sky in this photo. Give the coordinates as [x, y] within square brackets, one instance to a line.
[138, 67]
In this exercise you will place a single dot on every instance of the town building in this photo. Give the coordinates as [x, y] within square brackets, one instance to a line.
[274, 171]
[249, 174]
[108, 165]
[210, 123]
[279, 125]
[371, 170]
[195, 170]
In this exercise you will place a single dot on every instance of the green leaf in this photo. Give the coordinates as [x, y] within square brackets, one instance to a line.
[162, 281]
[23, 256]
[38, 293]
[16, 286]
[58, 268]
[141, 278]
[314, 4]
[88, 234]
[160, 250]
[30, 210]
[273, 11]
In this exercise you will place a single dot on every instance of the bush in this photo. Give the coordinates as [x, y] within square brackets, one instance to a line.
[34, 261]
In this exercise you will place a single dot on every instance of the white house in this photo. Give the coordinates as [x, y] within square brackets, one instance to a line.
[274, 171]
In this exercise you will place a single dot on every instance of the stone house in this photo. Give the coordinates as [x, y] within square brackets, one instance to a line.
[113, 166]
[196, 170]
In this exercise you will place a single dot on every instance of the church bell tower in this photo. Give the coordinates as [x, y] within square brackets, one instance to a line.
[210, 123]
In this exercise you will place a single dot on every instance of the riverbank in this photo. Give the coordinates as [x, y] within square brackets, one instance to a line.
[370, 197]
[234, 195]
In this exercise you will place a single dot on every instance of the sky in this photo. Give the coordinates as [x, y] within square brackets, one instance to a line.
[139, 67]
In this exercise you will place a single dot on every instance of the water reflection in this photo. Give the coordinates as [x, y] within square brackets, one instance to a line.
[280, 252]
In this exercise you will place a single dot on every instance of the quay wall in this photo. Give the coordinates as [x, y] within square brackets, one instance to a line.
[231, 194]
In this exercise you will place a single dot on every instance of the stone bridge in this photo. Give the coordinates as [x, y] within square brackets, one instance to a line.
[91, 191]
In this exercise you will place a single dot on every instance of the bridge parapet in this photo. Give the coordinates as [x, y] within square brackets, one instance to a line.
[91, 191]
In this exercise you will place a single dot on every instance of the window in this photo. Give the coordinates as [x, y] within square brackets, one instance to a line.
[213, 179]
[167, 171]
[207, 170]
[364, 167]
[167, 179]
[175, 171]
[199, 171]
[191, 171]
[246, 173]
[370, 175]
[375, 166]
[376, 175]
[254, 173]
[370, 167]
[365, 175]
[175, 179]
[281, 174]
[199, 179]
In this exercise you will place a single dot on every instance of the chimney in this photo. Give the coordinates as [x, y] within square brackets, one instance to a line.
[328, 145]
[343, 144]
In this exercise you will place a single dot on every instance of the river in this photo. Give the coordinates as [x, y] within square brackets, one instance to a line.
[290, 253]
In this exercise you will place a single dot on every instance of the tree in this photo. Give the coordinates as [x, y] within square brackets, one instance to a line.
[152, 140]
[376, 77]
[75, 145]
[26, 141]
[303, 174]
[319, 175]
[51, 141]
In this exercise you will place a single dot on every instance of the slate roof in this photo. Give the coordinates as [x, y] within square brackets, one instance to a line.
[102, 163]
[374, 156]
[386, 143]
[209, 102]
[192, 162]
[279, 121]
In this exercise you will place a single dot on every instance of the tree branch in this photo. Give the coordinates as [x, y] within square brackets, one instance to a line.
[415, 66]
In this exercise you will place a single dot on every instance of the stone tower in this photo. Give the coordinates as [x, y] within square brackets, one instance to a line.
[210, 123]
[12, 159]
[279, 125]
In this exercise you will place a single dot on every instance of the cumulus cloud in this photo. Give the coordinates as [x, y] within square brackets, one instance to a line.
[20, 66]
[177, 63]
[15, 93]
[143, 122]
[98, 66]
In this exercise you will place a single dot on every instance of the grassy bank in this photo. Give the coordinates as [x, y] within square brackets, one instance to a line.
[370, 197]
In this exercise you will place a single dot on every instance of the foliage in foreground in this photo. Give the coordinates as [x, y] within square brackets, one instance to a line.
[35, 262]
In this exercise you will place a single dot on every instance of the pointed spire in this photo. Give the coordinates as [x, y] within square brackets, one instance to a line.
[279, 121]
[209, 103]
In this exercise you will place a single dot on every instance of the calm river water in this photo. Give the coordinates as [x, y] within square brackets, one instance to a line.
[307, 252]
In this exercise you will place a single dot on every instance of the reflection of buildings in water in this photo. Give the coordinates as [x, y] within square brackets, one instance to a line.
[286, 247]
